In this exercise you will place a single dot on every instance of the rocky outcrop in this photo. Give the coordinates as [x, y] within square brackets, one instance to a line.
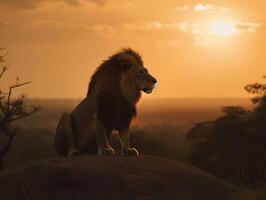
[94, 177]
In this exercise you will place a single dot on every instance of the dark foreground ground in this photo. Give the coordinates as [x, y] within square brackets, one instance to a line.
[94, 177]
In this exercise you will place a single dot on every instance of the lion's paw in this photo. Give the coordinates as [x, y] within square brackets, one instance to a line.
[73, 152]
[130, 152]
[109, 151]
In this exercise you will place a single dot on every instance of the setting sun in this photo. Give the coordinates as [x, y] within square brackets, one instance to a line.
[222, 29]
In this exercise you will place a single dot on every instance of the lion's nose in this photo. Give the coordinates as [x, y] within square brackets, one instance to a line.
[154, 81]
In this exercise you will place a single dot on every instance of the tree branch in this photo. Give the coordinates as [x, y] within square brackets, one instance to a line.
[4, 68]
[10, 92]
[2, 56]
[12, 110]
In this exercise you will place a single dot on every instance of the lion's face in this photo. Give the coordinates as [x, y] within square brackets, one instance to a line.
[143, 80]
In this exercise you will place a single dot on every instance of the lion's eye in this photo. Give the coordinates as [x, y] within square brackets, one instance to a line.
[141, 71]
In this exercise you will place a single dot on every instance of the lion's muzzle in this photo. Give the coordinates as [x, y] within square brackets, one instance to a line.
[151, 86]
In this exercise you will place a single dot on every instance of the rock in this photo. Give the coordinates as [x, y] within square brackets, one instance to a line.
[261, 193]
[102, 177]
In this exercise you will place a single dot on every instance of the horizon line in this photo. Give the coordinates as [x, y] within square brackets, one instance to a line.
[149, 98]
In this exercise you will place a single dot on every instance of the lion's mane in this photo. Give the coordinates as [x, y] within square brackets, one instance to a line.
[116, 102]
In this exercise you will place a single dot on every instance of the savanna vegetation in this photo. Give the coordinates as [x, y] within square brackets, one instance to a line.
[11, 109]
[233, 146]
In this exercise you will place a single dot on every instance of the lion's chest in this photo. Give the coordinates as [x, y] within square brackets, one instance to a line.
[114, 112]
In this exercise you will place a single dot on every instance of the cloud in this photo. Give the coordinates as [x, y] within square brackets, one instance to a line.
[48, 26]
[250, 27]
[31, 4]
[205, 34]
[182, 8]
[160, 25]
[203, 28]
[230, 28]
[209, 7]
[203, 8]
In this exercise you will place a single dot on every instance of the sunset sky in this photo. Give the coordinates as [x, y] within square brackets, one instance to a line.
[194, 48]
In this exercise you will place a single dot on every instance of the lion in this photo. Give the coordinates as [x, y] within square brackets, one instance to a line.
[110, 105]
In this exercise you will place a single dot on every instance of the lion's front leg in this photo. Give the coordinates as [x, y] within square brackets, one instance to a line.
[104, 148]
[126, 150]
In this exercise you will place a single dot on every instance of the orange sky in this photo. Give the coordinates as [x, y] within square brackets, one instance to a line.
[194, 48]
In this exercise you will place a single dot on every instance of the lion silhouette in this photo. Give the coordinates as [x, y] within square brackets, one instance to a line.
[114, 90]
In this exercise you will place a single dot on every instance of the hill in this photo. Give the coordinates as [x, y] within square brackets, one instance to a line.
[94, 177]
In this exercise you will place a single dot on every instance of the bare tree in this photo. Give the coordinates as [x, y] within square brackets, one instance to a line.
[12, 109]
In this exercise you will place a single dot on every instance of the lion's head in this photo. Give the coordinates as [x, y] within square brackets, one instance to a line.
[123, 72]
[142, 79]
[134, 74]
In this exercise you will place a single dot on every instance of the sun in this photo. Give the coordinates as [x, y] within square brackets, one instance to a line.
[222, 29]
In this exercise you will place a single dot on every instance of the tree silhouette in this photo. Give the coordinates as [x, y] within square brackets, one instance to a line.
[12, 109]
[234, 145]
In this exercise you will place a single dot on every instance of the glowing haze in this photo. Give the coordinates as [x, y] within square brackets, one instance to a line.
[194, 48]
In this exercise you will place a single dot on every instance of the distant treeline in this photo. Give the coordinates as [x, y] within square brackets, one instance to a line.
[233, 146]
